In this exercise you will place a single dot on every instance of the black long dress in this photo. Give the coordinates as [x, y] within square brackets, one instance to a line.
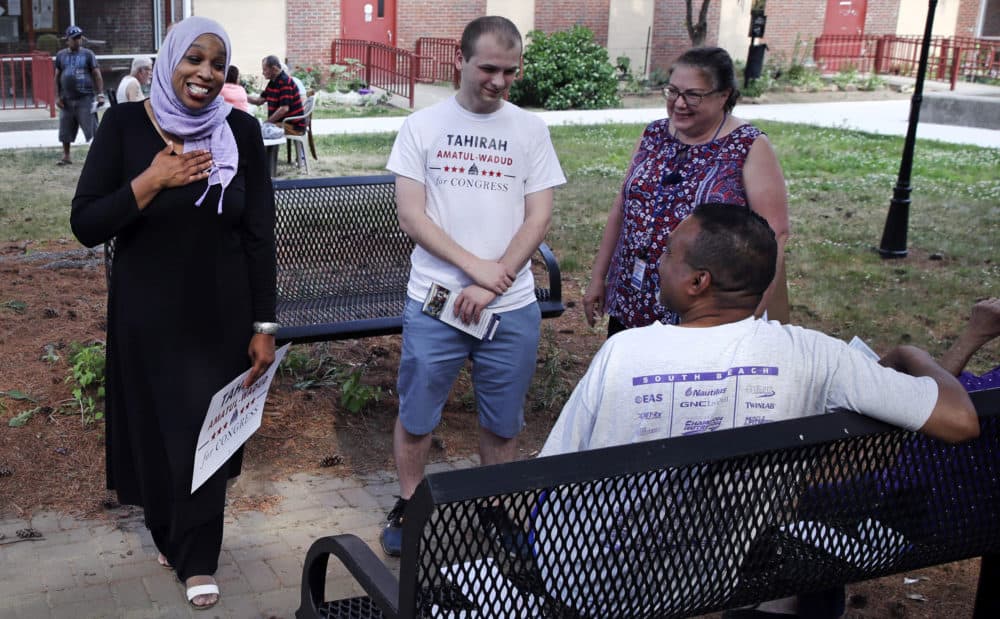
[187, 283]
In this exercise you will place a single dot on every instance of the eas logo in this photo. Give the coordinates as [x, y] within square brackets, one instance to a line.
[649, 398]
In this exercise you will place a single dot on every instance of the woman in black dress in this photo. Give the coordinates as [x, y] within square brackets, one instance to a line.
[180, 182]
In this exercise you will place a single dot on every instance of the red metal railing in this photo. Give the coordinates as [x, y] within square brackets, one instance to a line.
[27, 81]
[389, 68]
[833, 52]
[948, 57]
[437, 63]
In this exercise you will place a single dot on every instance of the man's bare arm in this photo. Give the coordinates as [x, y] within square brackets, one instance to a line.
[411, 202]
[537, 219]
[279, 113]
[95, 73]
[953, 418]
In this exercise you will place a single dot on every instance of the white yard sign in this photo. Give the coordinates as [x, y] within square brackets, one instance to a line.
[233, 416]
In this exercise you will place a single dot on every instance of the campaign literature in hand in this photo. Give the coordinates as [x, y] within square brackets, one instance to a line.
[440, 304]
[234, 414]
[859, 344]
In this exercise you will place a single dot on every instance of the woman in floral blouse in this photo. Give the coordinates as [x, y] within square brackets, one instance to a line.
[700, 154]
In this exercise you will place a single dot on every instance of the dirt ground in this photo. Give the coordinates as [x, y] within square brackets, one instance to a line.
[53, 295]
[56, 462]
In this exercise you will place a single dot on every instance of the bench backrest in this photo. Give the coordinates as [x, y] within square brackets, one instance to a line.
[343, 262]
[695, 524]
[340, 253]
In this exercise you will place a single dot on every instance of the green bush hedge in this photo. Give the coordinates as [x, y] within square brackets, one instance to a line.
[566, 70]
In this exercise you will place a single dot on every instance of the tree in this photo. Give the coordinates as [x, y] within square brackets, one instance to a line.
[697, 31]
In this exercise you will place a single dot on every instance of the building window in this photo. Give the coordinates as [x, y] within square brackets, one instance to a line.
[990, 22]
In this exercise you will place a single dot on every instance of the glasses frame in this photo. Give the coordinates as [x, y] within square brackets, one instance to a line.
[691, 99]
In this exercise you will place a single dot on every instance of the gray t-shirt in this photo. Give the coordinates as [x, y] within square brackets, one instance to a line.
[663, 380]
[76, 72]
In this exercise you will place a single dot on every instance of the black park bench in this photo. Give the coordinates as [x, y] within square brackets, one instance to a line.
[343, 262]
[684, 526]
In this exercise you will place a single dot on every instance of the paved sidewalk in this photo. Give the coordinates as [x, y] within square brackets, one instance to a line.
[887, 117]
[85, 569]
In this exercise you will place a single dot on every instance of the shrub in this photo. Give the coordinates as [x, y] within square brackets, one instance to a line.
[872, 81]
[846, 77]
[566, 70]
[311, 77]
[86, 376]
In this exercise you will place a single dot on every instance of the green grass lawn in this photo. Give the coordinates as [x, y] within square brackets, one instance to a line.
[839, 183]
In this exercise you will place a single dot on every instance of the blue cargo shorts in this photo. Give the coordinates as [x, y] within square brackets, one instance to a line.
[502, 368]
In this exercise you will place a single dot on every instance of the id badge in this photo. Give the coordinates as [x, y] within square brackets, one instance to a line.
[638, 272]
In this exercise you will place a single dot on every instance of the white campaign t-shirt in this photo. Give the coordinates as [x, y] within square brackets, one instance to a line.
[663, 380]
[476, 170]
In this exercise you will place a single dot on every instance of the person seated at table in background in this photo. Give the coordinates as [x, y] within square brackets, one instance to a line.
[130, 88]
[233, 93]
[283, 100]
[701, 153]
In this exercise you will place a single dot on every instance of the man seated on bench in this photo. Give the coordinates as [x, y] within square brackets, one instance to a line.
[665, 380]
[722, 368]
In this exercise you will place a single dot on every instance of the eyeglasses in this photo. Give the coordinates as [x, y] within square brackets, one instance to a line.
[691, 98]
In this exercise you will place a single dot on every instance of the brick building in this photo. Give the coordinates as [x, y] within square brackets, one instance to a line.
[650, 32]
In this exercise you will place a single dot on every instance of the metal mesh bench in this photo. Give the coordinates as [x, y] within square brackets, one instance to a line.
[343, 263]
[682, 526]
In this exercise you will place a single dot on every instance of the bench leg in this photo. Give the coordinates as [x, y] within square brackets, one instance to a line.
[987, 595]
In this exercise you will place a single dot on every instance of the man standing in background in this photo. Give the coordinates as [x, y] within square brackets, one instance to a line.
[78, 78]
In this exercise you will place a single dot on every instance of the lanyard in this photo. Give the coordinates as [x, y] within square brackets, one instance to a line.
[670, 179]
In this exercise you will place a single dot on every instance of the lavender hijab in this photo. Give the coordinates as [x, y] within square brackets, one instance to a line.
[204, 129]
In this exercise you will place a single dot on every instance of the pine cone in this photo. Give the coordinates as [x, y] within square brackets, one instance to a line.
[6, 471]
[28, 533]
[333, 460]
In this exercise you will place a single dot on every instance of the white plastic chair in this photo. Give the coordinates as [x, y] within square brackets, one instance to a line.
[300, 140]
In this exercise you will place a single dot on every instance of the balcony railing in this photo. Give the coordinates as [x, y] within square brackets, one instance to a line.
[949, 58]
[27, 81]
[437, 60]
[389, 68]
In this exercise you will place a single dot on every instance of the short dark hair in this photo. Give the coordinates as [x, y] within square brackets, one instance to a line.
[232, 75]
[272, 61]
[502, 28]
[736, 245]
[717, 66]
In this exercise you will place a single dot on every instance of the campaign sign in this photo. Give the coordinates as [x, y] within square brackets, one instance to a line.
[233, 415]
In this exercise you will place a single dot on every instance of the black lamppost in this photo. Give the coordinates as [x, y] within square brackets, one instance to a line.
[893, 243]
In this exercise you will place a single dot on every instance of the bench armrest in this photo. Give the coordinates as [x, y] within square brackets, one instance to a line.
[552, 267]
[373, 576]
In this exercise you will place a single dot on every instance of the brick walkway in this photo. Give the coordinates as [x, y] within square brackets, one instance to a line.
[88, 568]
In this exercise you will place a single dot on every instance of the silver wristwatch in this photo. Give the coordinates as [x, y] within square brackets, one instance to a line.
[266, 328]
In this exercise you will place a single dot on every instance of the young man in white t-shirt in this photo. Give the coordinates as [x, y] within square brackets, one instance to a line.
[474, 187]
[722, 368]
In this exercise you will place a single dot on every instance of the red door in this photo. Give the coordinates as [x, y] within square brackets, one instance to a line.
[845, 18]
[369, 20]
